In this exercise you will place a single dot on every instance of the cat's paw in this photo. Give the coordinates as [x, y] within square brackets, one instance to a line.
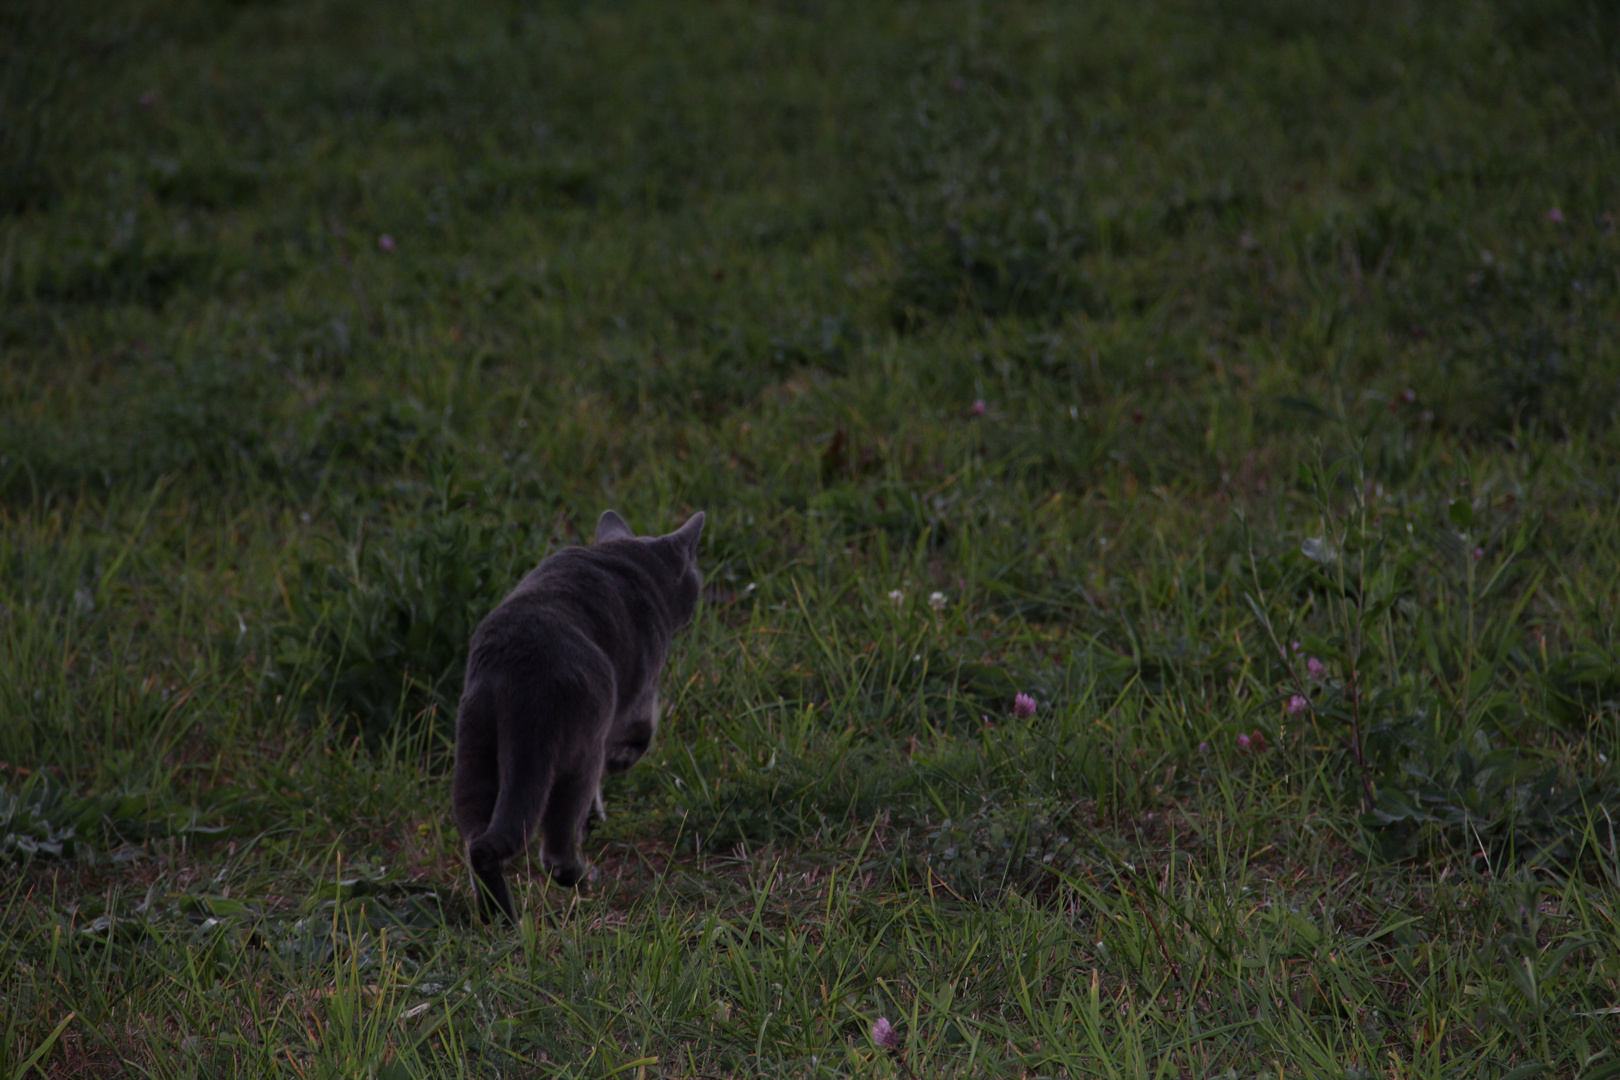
[484, 860]
[565, 872]
[489, 885]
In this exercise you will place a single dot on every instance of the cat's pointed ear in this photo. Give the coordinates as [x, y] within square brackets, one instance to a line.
[687, 535]
[612, 527]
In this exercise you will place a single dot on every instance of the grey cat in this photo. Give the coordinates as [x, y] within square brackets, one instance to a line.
[562, 685]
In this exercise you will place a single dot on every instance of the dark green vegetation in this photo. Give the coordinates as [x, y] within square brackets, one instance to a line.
[1278, 340]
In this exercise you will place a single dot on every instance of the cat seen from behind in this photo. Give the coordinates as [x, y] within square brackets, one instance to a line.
[562, 686]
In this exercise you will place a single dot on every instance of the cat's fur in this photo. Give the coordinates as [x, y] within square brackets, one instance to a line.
[562, 685]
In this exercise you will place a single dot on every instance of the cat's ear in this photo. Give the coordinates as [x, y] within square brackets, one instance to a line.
[687, 535]
[612, 527]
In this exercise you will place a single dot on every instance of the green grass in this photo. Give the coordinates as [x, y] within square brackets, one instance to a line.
[1278, 341]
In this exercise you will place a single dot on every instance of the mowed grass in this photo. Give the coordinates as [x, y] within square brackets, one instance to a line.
[1237, 380]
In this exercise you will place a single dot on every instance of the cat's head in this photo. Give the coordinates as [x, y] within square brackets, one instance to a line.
[677, 555]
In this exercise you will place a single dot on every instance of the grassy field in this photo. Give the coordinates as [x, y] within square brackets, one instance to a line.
[1234, 378]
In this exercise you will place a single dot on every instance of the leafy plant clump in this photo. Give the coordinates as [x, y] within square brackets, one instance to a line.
[43, 820]
[378, 641]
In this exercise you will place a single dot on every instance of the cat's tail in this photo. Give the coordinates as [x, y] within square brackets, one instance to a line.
[496, 804]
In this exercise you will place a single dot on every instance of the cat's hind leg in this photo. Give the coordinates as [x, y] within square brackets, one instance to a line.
[507, 835]
[575, 793]
[525, 769]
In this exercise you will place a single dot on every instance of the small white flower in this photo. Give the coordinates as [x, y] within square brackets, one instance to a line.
[898, 596]
[936, 601]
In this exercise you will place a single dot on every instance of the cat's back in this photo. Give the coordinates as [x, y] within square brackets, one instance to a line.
[588, 583]
[575, 597]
